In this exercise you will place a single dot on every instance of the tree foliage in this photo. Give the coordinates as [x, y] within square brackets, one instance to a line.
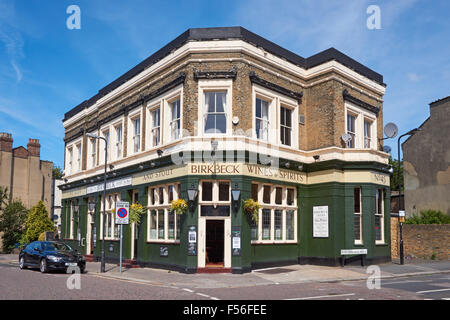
[57, 172]
[37, 221]
[394, 177]
[429, 217]
[12, 224]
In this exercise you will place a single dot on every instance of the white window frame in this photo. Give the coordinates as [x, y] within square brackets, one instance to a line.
[174, 135]
[272, 206]
[163, 103]
[131, 136]
[276, 101]
[361, 115]
[209, 86]
[380, 192]
[110, 202]
[118, 143]
[368, 138]
[153, 109]
[70, 160]
[266, 123]
[360, 214]
[92, 149]
[78, 148]
[166, 207]
[287, 107]
[101, 151]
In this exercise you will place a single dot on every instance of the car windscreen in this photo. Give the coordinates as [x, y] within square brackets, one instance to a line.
[49, 246]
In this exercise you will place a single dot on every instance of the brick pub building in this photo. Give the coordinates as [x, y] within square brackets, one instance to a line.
[219, 116]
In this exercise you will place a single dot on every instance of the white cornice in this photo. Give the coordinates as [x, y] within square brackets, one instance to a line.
[228, 46]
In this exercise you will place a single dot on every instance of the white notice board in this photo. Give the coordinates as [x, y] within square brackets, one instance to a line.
[320, 222]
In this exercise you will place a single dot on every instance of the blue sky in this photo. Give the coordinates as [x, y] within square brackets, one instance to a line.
[47, 69]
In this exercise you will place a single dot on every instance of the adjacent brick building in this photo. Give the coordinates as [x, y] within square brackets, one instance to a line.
[426, 157]
[27, 177]
[225, 113]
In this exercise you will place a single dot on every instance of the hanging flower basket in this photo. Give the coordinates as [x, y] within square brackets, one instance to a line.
[179, 206]
[251, 207]
[136, 210]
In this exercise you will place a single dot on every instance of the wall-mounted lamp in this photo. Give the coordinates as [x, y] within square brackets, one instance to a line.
[391, 169]
[65, 180]
[287, 164]
[111, 167]
[159, 152]
[152, 164]
[236, 194]
[300, 167]
[192, 194]
[316, 157]
[141, 167]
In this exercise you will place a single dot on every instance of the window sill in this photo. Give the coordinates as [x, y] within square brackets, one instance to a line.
[256, 242]
[381, 244]
[163, 242]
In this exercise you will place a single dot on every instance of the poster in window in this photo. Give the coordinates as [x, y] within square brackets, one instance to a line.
[320, 222]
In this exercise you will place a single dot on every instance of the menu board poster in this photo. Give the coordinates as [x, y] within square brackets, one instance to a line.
[320, 222]
[236, 240]
[192, 241]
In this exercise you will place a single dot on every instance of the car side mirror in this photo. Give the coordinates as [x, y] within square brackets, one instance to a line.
[37, 249]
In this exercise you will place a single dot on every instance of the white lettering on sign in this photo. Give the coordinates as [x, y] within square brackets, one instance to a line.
[320, 222]
[109, 185]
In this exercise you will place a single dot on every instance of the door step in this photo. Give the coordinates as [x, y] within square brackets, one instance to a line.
[89, 257]
[213, 270]
[129, 263]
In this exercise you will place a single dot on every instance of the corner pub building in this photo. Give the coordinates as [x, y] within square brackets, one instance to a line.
[216, 117]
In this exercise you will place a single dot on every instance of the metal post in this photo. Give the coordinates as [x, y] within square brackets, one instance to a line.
[400, 207]
[104, 208]
[402, 261]
[121, 235]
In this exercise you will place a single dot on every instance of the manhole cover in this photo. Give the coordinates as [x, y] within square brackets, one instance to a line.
[275, 271]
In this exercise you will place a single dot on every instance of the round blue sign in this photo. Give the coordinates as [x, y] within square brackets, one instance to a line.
[122, 213]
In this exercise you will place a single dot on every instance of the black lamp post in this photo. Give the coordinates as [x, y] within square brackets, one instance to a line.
[94, 136]
[401, 213]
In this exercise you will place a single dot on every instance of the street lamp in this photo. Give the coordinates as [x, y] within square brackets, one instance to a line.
[94, 136]
[401, 213]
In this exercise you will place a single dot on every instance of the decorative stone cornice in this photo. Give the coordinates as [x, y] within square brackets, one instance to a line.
[348, 97]
[272, 86]
[230, 74]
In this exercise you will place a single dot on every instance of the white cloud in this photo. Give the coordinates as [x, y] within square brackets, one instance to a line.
[412, 76]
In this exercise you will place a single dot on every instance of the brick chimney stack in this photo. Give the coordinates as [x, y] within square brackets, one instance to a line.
[6, 142]
[34, 148]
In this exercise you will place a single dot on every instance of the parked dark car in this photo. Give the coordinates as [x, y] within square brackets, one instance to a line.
[50, 255]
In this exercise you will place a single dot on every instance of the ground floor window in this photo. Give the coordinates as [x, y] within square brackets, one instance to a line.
[112, 230]
[277, 221]
[163, 223]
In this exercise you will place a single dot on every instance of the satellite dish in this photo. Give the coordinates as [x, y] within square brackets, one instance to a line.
[390, 130]
[387, 149]
[346, 137]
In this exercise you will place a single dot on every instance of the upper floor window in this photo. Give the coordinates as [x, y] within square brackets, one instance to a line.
[69, 165]
[361, 126]
[175, 119]
[156, 127]
[119, 139]
[285, 126]
[262, 119]
[79, 157]
[215, 113]
[367, 134]
[136, 135]
[351, 130]
[93, 156]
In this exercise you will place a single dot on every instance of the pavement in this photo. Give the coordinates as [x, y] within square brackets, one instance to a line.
[278, 275]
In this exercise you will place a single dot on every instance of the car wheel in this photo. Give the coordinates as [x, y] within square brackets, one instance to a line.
[43, 266]
[22, 263]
